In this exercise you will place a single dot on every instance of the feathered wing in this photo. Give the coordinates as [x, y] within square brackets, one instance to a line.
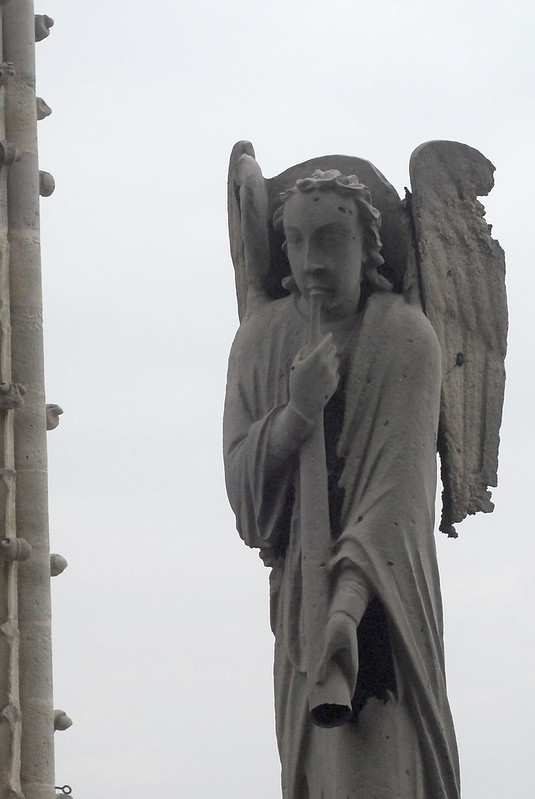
[248, 227]
[462, 280]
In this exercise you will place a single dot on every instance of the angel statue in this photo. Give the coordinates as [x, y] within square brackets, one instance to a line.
[372, 333]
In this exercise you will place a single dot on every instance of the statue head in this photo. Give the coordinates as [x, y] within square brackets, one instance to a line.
[335, 214]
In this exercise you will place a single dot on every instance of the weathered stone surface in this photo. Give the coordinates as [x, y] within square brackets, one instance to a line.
[462, 271]
[25, 589]
[331, 421]
[338, 387]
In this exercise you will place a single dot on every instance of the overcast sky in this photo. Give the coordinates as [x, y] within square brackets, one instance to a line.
[162, 648]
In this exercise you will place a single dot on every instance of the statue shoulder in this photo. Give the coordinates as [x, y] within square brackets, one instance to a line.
[402, 320]
[259, 329]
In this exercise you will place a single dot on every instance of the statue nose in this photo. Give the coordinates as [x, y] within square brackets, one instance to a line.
[313, 266]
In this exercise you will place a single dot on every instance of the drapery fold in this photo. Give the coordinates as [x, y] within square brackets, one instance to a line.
[386, 480]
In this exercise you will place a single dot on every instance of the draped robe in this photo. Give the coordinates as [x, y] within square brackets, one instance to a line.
[400, 743]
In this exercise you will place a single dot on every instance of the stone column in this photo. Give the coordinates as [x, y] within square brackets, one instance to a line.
[10, 712]
[30, 459]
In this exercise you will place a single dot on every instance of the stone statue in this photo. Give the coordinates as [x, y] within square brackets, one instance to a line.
[338, 395]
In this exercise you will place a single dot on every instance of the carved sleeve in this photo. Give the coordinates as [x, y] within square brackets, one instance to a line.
[260, 459]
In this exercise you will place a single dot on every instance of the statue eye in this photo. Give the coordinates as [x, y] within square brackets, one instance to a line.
[294, 239]
[331, 238]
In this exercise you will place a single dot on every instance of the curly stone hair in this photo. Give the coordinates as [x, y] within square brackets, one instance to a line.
[347, 186]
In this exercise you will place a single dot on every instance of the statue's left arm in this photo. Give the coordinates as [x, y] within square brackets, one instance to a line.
[261, 439]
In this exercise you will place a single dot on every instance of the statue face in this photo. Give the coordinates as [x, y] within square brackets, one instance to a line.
[325, 246]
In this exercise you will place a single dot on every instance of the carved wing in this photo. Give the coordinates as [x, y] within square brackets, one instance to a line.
[248, 227]
[462, 281]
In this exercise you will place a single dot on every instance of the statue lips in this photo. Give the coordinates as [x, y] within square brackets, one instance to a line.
[323, 288]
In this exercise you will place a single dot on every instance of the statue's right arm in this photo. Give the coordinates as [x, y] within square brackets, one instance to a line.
[271, 407]
[312, 381]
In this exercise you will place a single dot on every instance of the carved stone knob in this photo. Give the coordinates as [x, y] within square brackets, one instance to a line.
[11, 396]
[7, 70]
[8, 153]
[62, 722]
[47, 184]
[43, 109]
[43, 23]
[15, 549]
[53, 412]
[58, 564]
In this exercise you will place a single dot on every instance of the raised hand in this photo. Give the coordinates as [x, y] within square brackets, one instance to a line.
[314, 377]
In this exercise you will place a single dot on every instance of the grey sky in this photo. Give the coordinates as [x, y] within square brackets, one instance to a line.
[161, 638]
